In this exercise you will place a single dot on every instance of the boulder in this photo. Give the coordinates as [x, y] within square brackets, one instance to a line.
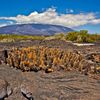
[5, 89]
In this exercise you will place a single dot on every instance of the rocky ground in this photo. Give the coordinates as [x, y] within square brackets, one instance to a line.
[58, 85]
[53, 86]
[52, 43]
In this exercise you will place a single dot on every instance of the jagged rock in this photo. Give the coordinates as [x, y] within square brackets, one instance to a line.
[3, 56]
[49, 70]
[26, 90]
[5, 89]
[95, 57]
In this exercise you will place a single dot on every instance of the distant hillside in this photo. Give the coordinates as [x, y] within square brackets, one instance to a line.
[34, 29]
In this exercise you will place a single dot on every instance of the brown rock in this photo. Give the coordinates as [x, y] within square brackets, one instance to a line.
[26, 90]
[5, 89]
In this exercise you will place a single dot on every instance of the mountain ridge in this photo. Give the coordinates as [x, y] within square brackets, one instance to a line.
[34, 29]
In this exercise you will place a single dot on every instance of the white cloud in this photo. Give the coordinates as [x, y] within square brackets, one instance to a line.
[95, 21]
[1, 25]
[6, 23]
[50, 16]
[69, 10]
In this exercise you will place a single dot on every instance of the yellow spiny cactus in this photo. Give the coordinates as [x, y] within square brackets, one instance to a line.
[28, 58]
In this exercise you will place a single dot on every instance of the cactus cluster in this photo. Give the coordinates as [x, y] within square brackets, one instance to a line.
[47, 59]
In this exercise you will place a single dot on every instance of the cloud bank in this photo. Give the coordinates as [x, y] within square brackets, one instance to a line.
[50, 16]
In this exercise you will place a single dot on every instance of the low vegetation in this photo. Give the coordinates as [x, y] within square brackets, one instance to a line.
[15, 37]
[81, 36]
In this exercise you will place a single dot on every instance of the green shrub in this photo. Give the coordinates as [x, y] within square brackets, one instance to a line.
[82, 37]
[15, 37]
[59, 36]
[72, 36]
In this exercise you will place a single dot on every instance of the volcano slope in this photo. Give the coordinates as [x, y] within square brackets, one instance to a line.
[58, 85]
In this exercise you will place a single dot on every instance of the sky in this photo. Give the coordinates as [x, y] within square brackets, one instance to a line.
[76, 14]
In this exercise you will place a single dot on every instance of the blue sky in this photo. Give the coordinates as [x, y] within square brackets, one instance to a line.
[77, 14]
